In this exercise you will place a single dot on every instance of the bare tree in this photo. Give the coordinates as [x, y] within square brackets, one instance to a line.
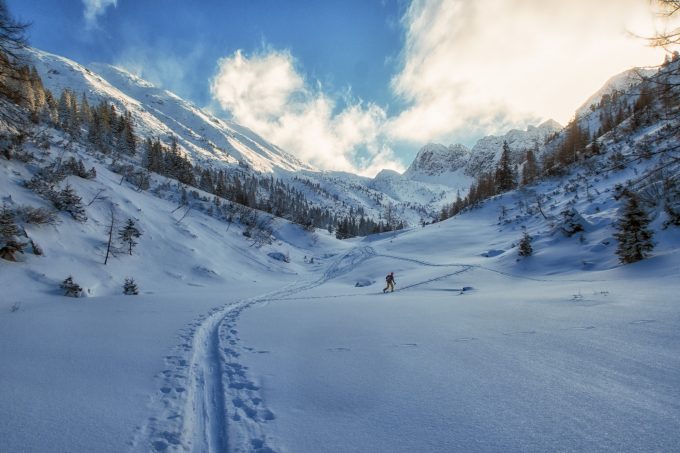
[668, 37]
[12, 38]
[109, 244]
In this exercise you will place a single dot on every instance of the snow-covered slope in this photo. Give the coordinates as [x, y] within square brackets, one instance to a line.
[621, 82]
[160, 113]
[214, 142]
[229, 349]
[236, 345]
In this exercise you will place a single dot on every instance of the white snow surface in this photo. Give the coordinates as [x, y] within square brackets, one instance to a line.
[227, 349]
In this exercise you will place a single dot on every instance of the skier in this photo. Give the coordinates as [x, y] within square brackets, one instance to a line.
[390, 282]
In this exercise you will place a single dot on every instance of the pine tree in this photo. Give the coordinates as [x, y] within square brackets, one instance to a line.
[525, 248]
[130, 287]
[635, 239]
[9, 245]
[68, 200]
[505, 175]
[530, 170]
[128, 234]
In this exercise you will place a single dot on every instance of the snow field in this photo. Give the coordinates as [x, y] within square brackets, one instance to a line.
[515, 364]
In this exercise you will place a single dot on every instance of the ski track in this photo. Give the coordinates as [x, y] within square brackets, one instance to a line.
[206, 402]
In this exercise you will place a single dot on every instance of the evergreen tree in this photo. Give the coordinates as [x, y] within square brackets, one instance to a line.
[505, 175]
[525, 248]
[128, 234]
[635, 239]
[126, 140]
[130, 287]
[68, 200]
[84, 112]
[9, 245]
[530, 170]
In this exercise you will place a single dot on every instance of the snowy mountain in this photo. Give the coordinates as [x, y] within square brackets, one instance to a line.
[455, 167]
[216, 143]
[252, 333]
[434, 160]
[619, 83]
[485, 154]
[160, 113]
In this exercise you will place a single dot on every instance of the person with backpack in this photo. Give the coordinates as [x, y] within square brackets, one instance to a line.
[390, 282]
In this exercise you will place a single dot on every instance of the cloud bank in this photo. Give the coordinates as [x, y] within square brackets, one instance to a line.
[467, 69]
[94, 9]
[267, 93]
[483, 66]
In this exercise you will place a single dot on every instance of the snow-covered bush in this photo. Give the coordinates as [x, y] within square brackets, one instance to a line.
[76, 167]
[36, 216]
[572, 222]
[128, 234]
[71, 288]
[9, 230]
[525, 248]
[130, 287]
[68, 200]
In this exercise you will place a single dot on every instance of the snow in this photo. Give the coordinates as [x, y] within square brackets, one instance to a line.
[230, 348]
[533, 355]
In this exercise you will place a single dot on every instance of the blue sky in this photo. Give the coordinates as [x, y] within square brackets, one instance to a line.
[358, 85]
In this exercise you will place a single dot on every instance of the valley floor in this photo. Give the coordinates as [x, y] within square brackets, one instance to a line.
[462, 357]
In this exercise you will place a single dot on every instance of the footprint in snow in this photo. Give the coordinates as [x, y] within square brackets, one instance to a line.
[521, 332]
[406, 345]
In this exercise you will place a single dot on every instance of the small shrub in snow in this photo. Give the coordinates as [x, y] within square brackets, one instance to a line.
[9, 244]
[71, 288]
[68, 200]
[76, 167]
[128, 234]
[130, 287]
[36, 216]
[525, 248]
[572, 222]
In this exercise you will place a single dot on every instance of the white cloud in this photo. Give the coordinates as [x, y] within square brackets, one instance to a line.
[468, 69]
[267, 93]
[481, 67]
[94, 9]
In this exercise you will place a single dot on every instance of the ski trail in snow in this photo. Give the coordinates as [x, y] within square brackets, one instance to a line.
[485, 268]
[206, 401]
